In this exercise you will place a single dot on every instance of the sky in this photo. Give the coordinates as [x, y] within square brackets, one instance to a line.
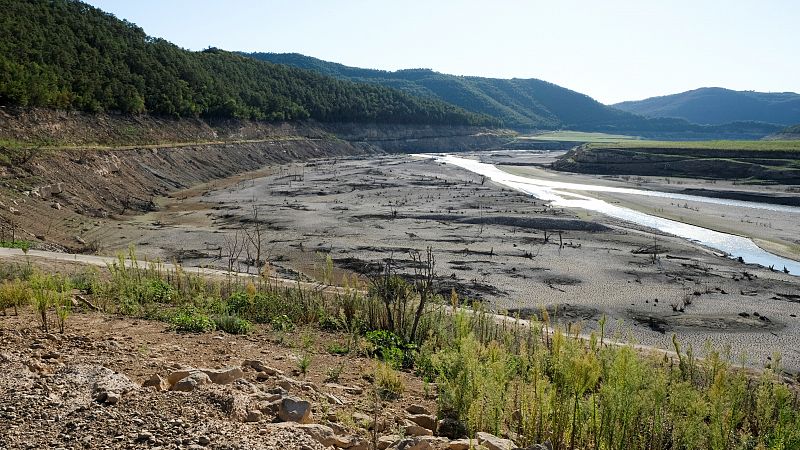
[612, 50]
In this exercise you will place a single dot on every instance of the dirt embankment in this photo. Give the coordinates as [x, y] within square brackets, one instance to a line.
[63, 173]
[770, 166]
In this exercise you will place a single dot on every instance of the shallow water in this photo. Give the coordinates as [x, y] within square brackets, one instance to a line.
[552, 191]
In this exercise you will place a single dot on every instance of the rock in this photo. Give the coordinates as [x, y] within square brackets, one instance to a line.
[417, 409]
[80, 240]
[451, 428]
[294, 410]
[421, 443]
[362, 420]
[332, 399]
[14, 211]
[416, 430]
[459, 444]
[108, 386]
[203, 440]
[144, 436]
[191, 382]
[352, 390]
[217, 376]
[254, 415]
[157, 382]
[325, 435]
[259, 366]
[493, 442]
[424, 420]
[57, 206]
[223, 376]
[387, 441]
[46, 191]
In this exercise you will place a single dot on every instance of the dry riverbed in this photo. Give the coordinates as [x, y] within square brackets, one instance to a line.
[491, 244]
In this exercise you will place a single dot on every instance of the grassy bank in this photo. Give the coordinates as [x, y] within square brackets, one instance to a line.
[536, 382]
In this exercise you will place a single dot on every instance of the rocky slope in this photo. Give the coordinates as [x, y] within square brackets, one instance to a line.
[64, 172]
[120, 383]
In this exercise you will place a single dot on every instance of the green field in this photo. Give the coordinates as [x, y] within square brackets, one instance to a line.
[579, 136]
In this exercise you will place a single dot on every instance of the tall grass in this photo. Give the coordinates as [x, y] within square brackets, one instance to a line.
[534, 381]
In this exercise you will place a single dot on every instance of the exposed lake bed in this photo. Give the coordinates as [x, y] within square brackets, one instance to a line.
[491, 243]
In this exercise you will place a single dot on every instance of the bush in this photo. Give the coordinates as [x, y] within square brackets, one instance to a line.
[233, 324]
[191, 321]
[388, 382]
[282, 323]
[22, 245]
[13, 294]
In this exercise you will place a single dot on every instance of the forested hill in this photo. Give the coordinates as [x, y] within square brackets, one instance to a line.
[718, 105]
[69, 55]
[519, 103]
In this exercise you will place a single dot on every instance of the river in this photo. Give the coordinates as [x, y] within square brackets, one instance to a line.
[555, 192]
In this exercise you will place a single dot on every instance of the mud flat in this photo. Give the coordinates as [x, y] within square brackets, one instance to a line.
[494, 245]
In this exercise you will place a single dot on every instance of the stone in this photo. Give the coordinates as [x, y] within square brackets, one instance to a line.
[334, 400]
[417, 409]
[493, 442]
[421, 443]
[352, 390]
[451, 428]
[416, 430]
[294, 410]
[387, 441]
[259, 366]
[362, 420]
[178, 375]
[254, 415]
[223, 376]
[424, 420]
[57, 206]
[14, 211]
[156, 382]
[191, 382]
[459, 444]
[325, 435]
[203, 440]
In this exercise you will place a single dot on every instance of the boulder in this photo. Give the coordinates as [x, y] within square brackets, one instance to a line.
[325, 435]
[156, 382]
[459, 444]
[191, 382]
[421, 443]
[217, 376]
[417, 409]
[493, 442]
[294, 410]
[108, 387]
[387, 441]
[424, 420]
[416, 430]
[223, 376]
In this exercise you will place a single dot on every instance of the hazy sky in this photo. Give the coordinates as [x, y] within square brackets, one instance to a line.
[613, 50]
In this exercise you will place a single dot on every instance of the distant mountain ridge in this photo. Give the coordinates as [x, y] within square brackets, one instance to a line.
[519, 103]
[713, 105]
[523, 104]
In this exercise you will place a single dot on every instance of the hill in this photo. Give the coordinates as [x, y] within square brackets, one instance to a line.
[717, 106]
[519, 103]
[66, 54]
[523, 104]
[788, 133]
